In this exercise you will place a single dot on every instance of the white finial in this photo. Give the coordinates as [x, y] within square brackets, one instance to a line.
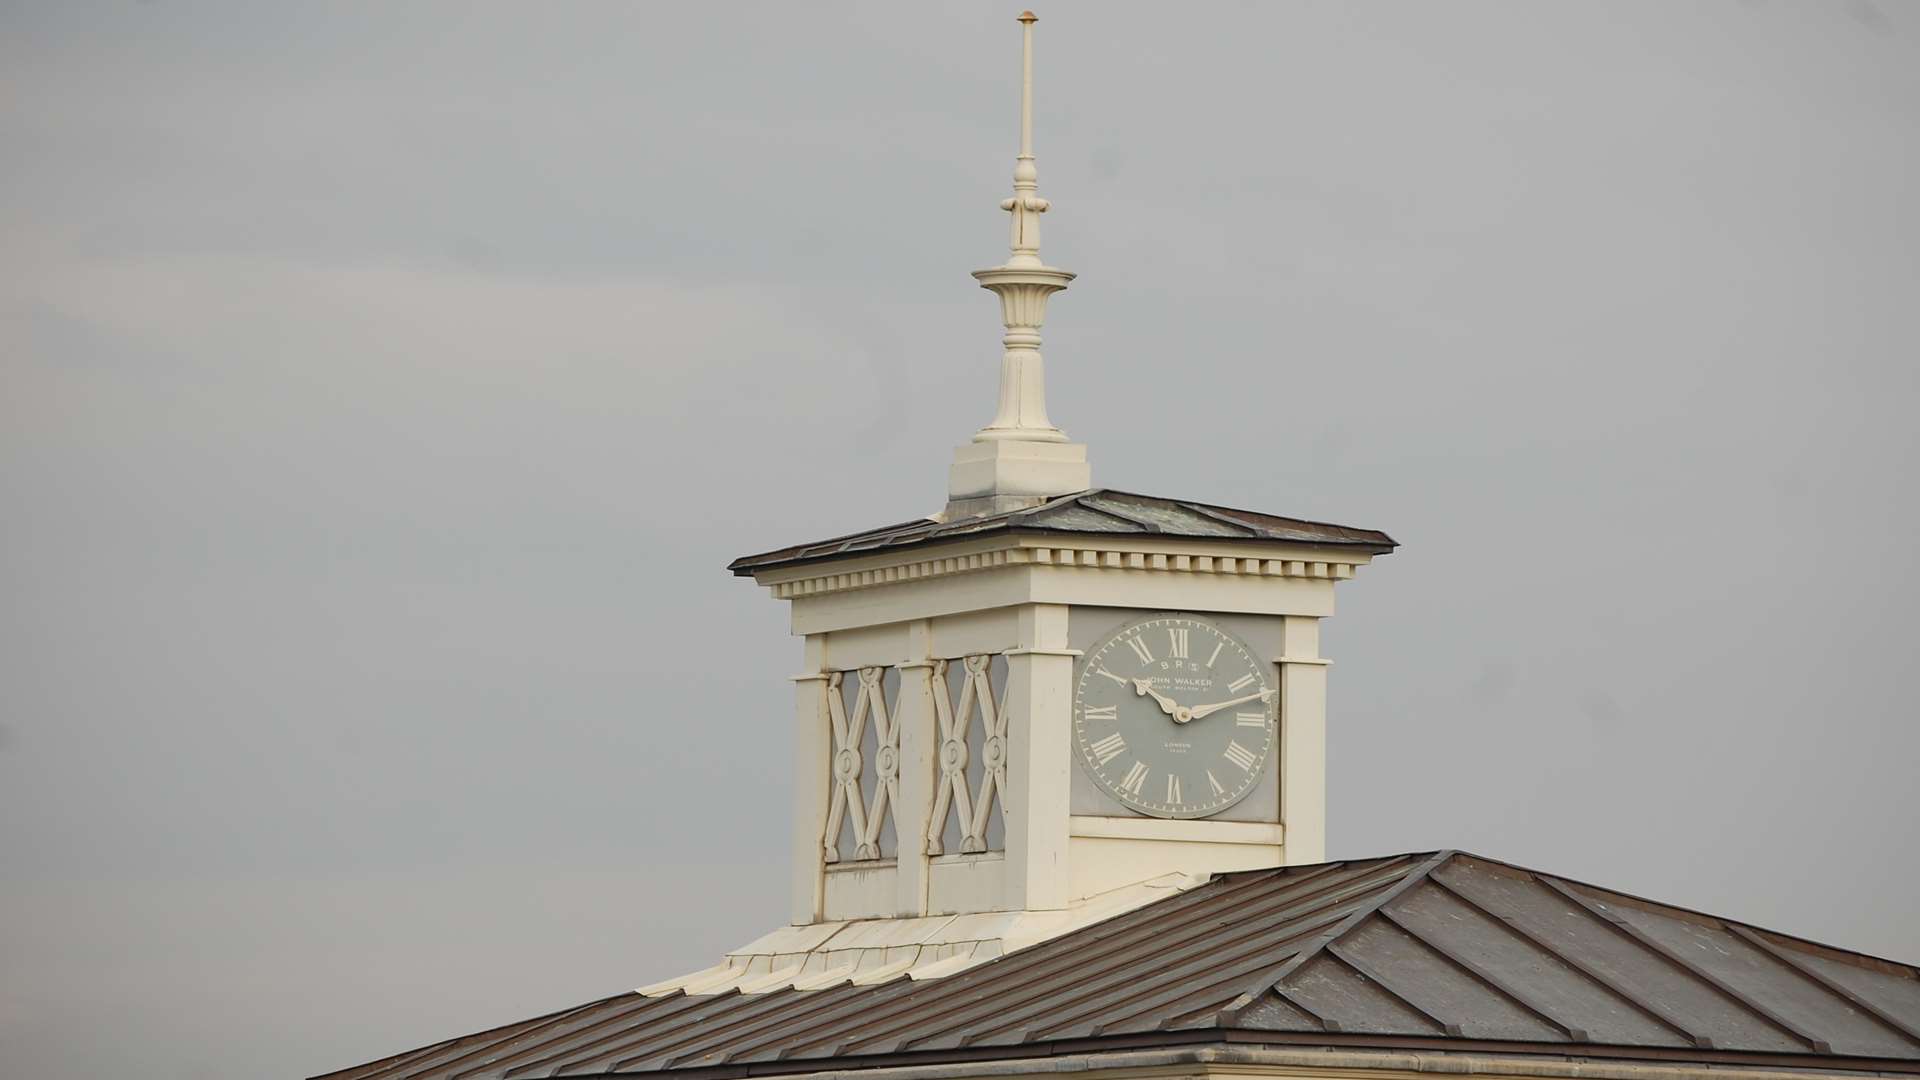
[1026, 204]
[1023, 284]
[1019, 459]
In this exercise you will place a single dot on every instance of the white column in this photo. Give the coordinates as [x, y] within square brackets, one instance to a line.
[919, 742]
[1303, 742]
[812, 750]
[1039, 762]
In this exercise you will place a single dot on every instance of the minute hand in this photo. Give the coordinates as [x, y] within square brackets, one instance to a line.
[1208, 710]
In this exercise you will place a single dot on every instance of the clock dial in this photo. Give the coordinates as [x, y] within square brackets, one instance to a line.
[1174, 716]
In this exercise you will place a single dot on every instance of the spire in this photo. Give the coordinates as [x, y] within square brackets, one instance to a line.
[1019, 458]
[1023, 284]
[1026, 206]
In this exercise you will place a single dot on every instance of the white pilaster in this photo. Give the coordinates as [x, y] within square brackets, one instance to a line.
[1303, 741]
[919, 741]
[1039, 764]
[812, 747]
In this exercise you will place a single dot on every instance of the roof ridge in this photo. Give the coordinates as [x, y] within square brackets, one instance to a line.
[1051, 503]
[1271, 978]
[1696, 913]
[1237, 510]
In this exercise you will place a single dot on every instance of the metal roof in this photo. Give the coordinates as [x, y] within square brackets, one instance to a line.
[1443, 951]
[1101, 511]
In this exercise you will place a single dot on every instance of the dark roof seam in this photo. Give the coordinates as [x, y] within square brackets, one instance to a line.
[1118, 515]
[512, 1055]
[1322, 906]
[709, 1037]
[463, 1053]
[1597, 978]
[713, 1041]
[1906, 970]
[1817, 978]
[1381, 979]
[1127, 1003]
[1114, 937]
[564, 1050]
[1231, 1014]
[836, 1002]
[710, 1005]
[1327, 1023]
[1105, 982]
[1206, 507]
[1252, 531]
[394, 1061]
[1051, 504]
[1818, 1045]
[851, 999]
[1493, 982]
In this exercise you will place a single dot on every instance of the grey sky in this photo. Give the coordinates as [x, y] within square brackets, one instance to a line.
[383, 389]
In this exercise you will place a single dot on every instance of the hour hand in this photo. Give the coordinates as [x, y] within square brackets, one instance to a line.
[1143, 688]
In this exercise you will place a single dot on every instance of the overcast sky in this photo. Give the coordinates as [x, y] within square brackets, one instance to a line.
[385, 388]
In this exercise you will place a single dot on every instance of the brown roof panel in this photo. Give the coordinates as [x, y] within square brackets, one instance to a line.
[1441, 950]
[1101, 511]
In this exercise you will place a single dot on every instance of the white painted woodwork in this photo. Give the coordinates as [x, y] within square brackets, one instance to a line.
[863, 951]
[1020, 611]
[956, 797]
[1039, 694]
[958, 884]
[918, 751]
[1303, 741]
[1196, 830]
[1023, 581]
[812, 745]
[873, 645]
[1097, 864]
[856, 889]
[974, 632]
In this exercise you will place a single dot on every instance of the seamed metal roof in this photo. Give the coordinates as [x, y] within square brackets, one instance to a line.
[1444, 951]
[1101, 511]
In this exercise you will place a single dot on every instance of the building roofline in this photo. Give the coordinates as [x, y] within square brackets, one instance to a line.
[1256, 527]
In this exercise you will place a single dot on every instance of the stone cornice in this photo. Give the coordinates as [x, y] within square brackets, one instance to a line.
[1125, 554]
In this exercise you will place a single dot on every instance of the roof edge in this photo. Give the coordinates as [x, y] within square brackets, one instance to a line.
[924, 531]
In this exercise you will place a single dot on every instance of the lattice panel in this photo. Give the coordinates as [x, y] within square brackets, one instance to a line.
[971, 790]
[863, 800]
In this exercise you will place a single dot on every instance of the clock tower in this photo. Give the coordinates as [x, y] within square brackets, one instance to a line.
[1045, 703]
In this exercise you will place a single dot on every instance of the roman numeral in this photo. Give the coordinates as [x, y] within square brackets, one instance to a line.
[1135, 781]
[1140, 650]
[1218, 645]
[1242, 682]
[1108, 748]
[1245, 719]
[1217, 789]
[1177, 641]
[1240, 756]
[1173, 790]
[1110, 675]
[1101, 712]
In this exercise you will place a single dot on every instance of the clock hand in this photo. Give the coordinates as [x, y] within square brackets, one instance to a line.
[1142, 688]
[1208, 710]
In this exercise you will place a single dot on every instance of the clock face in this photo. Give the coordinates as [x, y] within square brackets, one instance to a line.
[1174, 716]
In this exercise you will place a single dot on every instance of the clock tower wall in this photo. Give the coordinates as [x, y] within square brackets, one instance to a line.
[936, 768]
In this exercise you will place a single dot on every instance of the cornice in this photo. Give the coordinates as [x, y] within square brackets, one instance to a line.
[1130, 554]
